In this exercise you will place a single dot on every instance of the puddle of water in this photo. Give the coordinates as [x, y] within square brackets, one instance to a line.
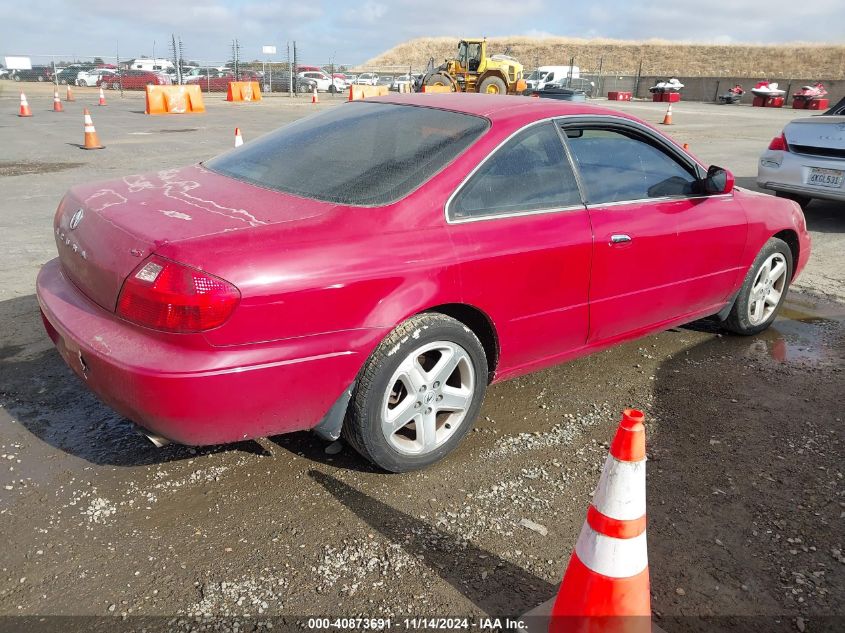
[804, 333]
[177, 130]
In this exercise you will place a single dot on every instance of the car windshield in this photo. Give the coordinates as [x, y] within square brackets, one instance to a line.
[363, 154]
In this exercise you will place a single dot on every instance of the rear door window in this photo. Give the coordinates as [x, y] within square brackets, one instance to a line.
[360, 153]
[530, 172]
[618, 165]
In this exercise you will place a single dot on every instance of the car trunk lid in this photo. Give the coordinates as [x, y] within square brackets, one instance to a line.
[103, 231]
[818, 136]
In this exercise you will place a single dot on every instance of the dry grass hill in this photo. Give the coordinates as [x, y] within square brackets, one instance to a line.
[659, 57]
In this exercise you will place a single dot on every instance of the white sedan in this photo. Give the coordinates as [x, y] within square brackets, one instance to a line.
[92, 77]
[324, 82]
[807, 159]
[367, 79]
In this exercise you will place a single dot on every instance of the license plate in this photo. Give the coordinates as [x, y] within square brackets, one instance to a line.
[826, 177]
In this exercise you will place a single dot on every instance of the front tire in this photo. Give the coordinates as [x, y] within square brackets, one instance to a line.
[418, 394]
[439, 79]
[763, 291]
[493, 86]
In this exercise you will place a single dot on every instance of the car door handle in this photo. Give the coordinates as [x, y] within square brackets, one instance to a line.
[619, 238]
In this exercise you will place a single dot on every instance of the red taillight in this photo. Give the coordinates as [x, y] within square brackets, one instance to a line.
[164, 295]
[779, 143]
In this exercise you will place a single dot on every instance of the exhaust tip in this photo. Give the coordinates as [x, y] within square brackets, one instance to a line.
[157, 440]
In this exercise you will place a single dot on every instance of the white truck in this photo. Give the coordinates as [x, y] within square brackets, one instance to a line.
[537, 79]
[159, 64]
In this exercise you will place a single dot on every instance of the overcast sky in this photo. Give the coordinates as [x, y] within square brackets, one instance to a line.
[354, 31]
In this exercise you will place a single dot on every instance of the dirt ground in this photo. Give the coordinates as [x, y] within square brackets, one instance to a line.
[102, 531]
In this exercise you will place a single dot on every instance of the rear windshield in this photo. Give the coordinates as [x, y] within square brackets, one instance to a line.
[360, 153]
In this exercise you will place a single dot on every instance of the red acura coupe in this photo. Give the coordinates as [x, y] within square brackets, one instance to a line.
[369, 270]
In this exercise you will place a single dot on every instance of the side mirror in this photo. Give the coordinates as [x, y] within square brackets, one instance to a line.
[718, 180]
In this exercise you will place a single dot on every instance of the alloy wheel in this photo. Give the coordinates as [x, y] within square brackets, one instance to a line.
[427, 397]
[767, 289]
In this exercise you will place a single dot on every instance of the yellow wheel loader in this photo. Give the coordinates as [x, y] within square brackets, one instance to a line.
[473, 71]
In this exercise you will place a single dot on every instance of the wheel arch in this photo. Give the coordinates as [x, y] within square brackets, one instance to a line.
[791, 238]
[480, 324]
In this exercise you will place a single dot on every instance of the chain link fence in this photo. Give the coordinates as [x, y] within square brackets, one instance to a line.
[111, 72]
[287, 75]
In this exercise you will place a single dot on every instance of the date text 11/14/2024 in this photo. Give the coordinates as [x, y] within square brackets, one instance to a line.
[416, 623]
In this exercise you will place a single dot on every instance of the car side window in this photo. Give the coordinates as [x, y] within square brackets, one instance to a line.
[529, 173]
[618, 165]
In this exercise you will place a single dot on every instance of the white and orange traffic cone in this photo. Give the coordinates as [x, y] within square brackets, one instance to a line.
[25, 109]
[92, 141]
[314, 97]
[239, 140]
[102, 101]
[57, 103]
[667, 118]
[69, 94]
[606, 585]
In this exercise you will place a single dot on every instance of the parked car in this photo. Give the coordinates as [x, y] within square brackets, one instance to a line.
[134, 80]
[323, 81]
[445, 242]
[565, 90]
[385, 80]
[806, 160]
[219, 82]
[402, 80]
[36, 73]
[69, 74]
[367, 79]
[279, 80]
[93, 77]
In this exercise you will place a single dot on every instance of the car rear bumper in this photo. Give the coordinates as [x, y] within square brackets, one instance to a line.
[788, 172]
[188, 391]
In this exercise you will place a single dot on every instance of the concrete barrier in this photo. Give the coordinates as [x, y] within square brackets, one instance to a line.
[174, 100]
[364, 92]
[243, 91]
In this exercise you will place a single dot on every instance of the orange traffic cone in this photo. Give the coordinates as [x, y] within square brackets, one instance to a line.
[239, 140]
[314, 97]
[92, 141]
[102, 98]
[535, 95]
[69, 94]
[57, 103]
[25, 110]
[667, 119]
[606, 585]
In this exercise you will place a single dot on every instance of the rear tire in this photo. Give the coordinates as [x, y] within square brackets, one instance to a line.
[439, 79]
[418, 394]
[764, 290]
[803, 201]
[493, 85]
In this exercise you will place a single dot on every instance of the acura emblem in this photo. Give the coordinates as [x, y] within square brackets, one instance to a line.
[76, 219]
